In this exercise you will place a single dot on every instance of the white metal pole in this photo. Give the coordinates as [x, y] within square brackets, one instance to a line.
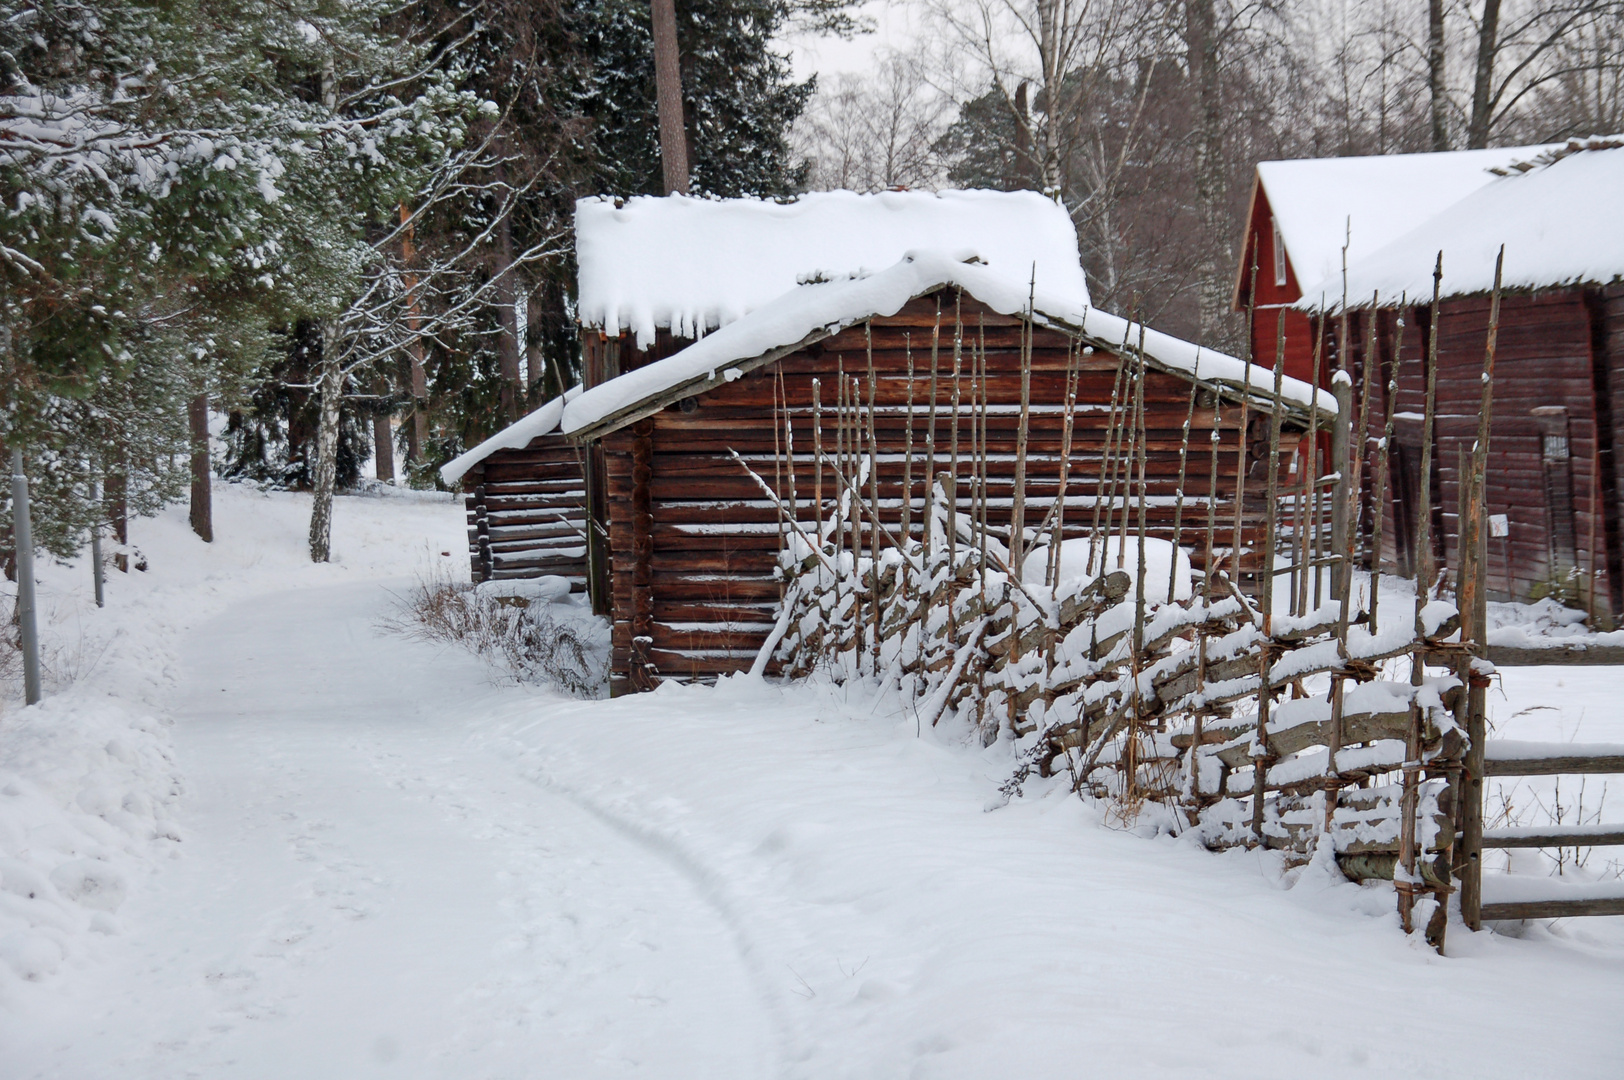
[23, 531]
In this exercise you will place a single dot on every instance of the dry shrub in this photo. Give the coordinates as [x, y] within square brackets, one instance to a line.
[528, 642]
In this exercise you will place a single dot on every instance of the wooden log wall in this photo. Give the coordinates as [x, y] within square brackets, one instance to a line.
[1555, 376]
[527, 513]
[716, 537]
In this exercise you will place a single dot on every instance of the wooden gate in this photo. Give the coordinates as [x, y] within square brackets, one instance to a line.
[1505, 896]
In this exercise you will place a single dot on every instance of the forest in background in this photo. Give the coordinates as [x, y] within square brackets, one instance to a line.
[1148, 119]
[345, 224]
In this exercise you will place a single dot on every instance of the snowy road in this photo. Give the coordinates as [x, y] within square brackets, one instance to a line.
[364, 893]
[392, 867]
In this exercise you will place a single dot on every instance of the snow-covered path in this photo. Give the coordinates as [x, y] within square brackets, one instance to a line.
[393, 867]
[364, 892]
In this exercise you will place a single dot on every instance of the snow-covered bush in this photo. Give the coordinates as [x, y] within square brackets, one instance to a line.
[533, 635]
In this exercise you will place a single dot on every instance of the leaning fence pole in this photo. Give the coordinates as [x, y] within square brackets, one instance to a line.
[1260, 743]
[1379, 503]
[1105, 490]
[22, 527]
[1474, 612]
[1343, 513]
[874, 493]
[930, 432]
[1052, 574]
[1406, 881]
[953, 453]
[1214, 445]
[907, 454]
[1135, 447]
[778, 471]
[978, 420]
[1017, 513]
[1426, 568]
[1245, 422]
[1178, 496]
[1311, 475]
[1341, 583]
[1241, 447]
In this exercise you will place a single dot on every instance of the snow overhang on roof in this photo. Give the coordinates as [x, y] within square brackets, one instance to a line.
[1368, 202]
[516, 436]
[693, 265]
[1557, 215]
[815, 311]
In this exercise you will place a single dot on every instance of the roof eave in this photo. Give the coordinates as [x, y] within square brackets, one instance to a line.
[664, 399]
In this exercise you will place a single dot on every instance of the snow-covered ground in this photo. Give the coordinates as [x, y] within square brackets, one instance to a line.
[300, 845]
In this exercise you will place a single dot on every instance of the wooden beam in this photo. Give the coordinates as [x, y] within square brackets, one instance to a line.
[1504, 758]
[1554, 909]
[1555, 836]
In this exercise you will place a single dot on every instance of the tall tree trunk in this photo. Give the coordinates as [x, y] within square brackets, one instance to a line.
[326, 471]
[535, 359]
[417, 434]
[1435, 75]
[1049, 44]
[507, 342]
[118, 504]
[668, 94]
[1201, 44]
[1025, 172]
[1488, 43]
[383, 437]
[197, 415]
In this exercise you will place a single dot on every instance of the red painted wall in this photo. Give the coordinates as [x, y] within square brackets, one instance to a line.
[1273, 298]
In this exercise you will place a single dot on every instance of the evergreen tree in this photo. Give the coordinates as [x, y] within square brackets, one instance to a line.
[739, 98]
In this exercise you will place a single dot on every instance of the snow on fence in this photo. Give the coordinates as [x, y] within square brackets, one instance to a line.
[1152, 700]
[1290, 723]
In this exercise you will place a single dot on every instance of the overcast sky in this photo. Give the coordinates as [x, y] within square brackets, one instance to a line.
[893, 21]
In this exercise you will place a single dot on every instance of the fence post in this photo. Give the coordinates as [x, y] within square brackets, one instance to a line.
[23, 531]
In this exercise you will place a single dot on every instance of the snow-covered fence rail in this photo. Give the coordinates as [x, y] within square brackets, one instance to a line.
[1280, 725]
[1158, 702]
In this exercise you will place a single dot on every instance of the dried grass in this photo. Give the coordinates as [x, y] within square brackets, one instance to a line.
[526, 642]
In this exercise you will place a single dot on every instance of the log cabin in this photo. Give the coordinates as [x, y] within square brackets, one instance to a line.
[656, 274]
[1302, 212]
[685, 536]
[711, 455]
[1554, 471]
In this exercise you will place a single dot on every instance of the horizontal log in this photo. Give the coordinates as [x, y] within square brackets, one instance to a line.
[1510, 656]
[1507, 758]
[1553, 909]
[1555, 836]
[1379, 866]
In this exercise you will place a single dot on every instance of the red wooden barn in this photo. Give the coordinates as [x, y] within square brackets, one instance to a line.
[1302, 212]
[1554, 470]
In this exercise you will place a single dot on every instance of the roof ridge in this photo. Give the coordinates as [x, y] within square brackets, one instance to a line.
[1551, 157]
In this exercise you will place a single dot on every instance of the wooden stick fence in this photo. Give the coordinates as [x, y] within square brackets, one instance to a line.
[1283, 726]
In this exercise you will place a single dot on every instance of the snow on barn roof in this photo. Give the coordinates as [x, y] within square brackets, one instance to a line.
[694, 265]
[1557, 215]
[817, 310]
[1368, 202]
[515, 436]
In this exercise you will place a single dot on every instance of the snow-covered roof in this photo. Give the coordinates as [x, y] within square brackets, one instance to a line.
[515, 436]
[693, 264]
[1368, 202]
[810, 312]
[1559, 217]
